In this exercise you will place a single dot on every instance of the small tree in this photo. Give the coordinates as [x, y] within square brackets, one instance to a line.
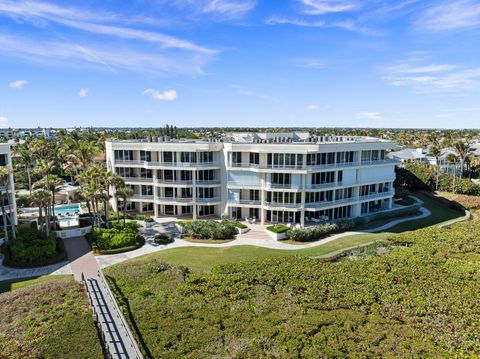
[435, 152]
[124, 193]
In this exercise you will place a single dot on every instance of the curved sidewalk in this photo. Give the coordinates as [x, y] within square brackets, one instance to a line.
[151, 247]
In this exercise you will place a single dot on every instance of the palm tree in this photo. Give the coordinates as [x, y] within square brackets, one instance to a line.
[436, 152]
[462, 149]
[41, 199]
[52, 184]
[452, 159]
[124, 193]
[5, 173]
[26, 162]
[110, 180]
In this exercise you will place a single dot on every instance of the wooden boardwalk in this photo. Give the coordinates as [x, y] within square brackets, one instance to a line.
[117, 338]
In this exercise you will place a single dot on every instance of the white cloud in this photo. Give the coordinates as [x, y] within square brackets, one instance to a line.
[310, 63]
[230, 8]
[167, 95]
[17, 85]
[451, 15]
[312, 107]
[320, 7]
[432, 78]
[83, 92]
[118, 46]
[278, 20]
[3, 121]
[370, 115]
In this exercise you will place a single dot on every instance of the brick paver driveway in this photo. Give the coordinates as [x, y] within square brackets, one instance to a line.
[81, 258]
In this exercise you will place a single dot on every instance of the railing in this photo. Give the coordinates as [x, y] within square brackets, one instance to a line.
[138, 179]
[168, 164]
[282, 186]
[283, 205]
[311, 166]
[175, 199]
[208, 200]
[247, 185]
[142, 197]
[377, 195]
[245, 202]
[174, 182]
[207, 182]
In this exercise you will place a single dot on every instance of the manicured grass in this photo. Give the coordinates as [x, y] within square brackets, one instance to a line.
[203, 259]
[48, 320]
[14, 284]
[207, 241]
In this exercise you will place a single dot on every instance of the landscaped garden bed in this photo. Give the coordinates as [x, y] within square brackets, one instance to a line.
[277, 231]
[32, 248]
[120, 237]
[310, 234]
[163, 238]
[208, 229]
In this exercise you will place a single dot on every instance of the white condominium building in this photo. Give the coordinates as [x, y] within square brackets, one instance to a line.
[272, 177]
[8, 210]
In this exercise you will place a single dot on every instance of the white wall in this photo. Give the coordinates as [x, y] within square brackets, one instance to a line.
[376, 174]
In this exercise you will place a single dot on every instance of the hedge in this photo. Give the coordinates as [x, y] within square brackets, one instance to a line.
[59, 256]
[278, 228]
[117, 239]
[208, 229]
[163, 238]
[240, 225]
[314, 233]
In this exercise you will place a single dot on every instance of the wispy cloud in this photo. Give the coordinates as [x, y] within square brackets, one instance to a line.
[432, 78]
[18, 84]
[83, 92]
[244, 91]
[3, 121]
[280, 20]
[310, 63]
[451, 15]
[166, 95]
[370, 115]
[230, 8]
[320, 7]
[179, 55]
[312, 107]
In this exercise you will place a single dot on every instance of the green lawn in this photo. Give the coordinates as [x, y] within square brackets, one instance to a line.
[14, 284]
[202, 258]
[51, 319]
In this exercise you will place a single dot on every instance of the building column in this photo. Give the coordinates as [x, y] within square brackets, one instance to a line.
[262, 199]
[302, 203]
[155, 194]
[194, 194]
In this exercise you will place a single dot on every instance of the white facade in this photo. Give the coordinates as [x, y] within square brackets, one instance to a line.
[8, 191]
[271, 177]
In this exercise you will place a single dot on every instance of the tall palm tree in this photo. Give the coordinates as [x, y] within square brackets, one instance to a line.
[110, 180]
[5, 173]
[462, 149]
[52, 184]
[436, 152]
[452, 159]
[41, 199]
[26, 162]
[124, 193]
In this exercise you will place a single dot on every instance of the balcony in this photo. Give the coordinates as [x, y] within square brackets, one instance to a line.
[242, 185]
[376, 195]
[137, 179]
[172, 182]
[208, 182]
[283, 205]
[148, 164]
[245, 202]
[379, 162]
[174, 199]
[208, 200]
[283, 186]
[142, 198]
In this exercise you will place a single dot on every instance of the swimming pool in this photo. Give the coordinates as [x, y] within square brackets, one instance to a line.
[68, 208]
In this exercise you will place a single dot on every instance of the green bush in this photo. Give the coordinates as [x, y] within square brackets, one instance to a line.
[278, 228]
[240, 225]
[117, 237]
[310, 234]
[208, 229]
[32, 245]
[163, 238]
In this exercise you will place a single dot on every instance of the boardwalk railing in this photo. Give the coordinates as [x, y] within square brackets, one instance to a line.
[116, 336]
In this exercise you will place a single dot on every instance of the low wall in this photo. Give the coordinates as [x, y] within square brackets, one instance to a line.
[74, 232]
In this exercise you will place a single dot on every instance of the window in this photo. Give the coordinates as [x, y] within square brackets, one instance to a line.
[340, 176]
[205, 192]
[188, 157]
[147, 190]
[123, 155]
[236, 157]
[281, 179]
[147, 207]
[254, 158]
[205, 157]
[144, 173]
[168, 157]
[3, 160]
[145, 156]
[206, 210]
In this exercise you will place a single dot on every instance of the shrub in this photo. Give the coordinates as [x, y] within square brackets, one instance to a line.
[240, 225]
[317, 232]
[163, 238]
[142, 217]
[277, 228]
[208, 229]
[405, 202]
[117, 237]
[32, 245]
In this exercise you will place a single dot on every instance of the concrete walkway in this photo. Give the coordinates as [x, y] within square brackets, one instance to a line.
[262, 240]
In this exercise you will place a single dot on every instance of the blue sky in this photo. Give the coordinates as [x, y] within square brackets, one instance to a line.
[341, 63]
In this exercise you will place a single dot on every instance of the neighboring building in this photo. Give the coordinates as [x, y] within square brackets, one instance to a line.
[272, 177]
[409, 155]
[8, 192]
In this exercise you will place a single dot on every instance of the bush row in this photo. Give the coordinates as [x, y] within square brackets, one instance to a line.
[209, 229]
[118, 238]
[314, 233]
